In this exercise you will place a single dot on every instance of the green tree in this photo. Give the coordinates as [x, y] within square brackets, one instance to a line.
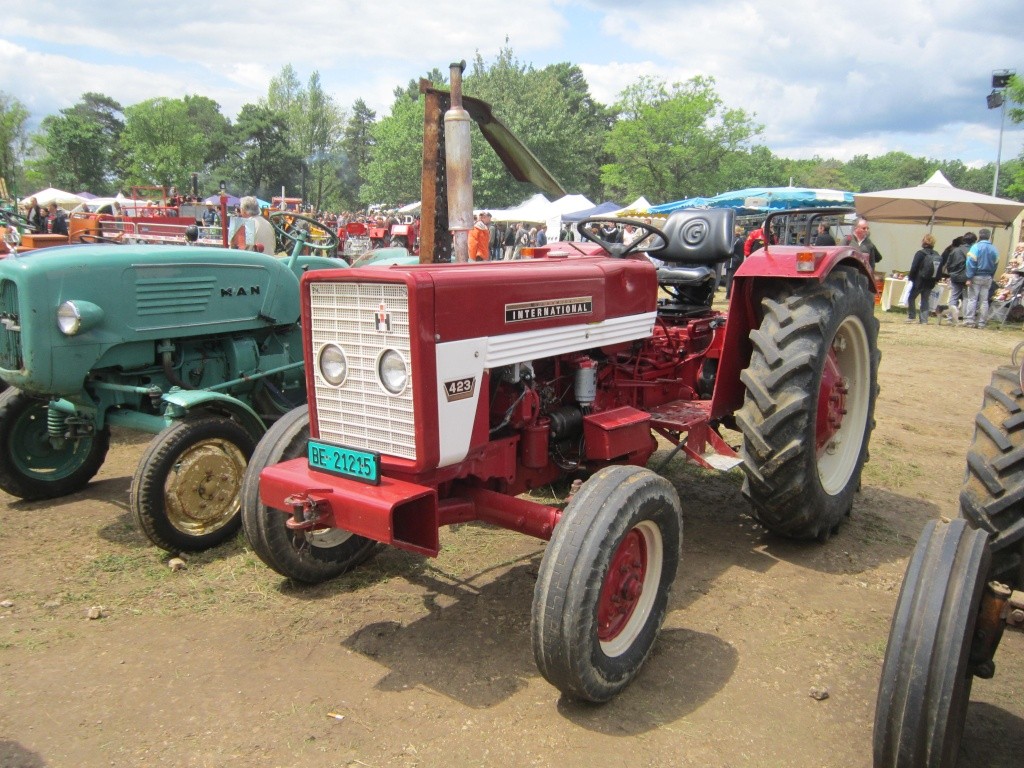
[13, 139]
[892, 170]
[161, 144]
[552, 112]
[669, 142]
[263, 162]
[1013, 172]
[392, 176]
[357, 146]
[79, 145]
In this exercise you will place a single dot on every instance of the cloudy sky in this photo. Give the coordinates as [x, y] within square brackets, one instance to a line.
[827, 78]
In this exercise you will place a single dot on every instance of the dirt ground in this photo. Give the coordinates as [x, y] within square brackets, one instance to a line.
[418, 662]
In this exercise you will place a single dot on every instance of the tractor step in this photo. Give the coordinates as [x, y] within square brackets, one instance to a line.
[701, 443]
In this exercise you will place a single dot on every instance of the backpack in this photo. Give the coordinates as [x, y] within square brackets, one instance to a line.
[928, 269]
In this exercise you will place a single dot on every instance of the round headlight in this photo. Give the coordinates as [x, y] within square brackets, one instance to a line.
[333, 365]
[69, 318]
[392, 372]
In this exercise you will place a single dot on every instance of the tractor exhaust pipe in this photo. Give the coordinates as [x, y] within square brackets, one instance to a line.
[459, 163]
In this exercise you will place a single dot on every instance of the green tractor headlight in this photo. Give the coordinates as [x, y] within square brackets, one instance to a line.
[74, 317]
[392, 372]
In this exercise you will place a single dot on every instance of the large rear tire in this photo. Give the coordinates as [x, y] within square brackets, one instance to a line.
[185, 492]
[32, 466]
[306, 556]
[992, 496]
[604, 582]
[926, 677]
[810, 402]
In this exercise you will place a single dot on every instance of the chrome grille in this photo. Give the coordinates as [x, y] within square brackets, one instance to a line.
[360, 413]
[10, 327]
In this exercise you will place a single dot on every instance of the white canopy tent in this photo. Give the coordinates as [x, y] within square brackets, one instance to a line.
[562, 206]
[534, 210]
[53, 195]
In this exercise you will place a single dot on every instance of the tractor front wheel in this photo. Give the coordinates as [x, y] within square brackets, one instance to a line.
[604, 582]
[809, 406]
[992, 496]
[185, 493]
[926, 676]
[35, 465]
[306, 556]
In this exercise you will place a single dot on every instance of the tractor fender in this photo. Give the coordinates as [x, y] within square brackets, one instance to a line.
[183, 401]
[781, 261]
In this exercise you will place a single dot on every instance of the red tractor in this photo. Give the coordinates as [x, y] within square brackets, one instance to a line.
[441, 393]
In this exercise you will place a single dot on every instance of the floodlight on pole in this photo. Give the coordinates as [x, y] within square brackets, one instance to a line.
[997, 100]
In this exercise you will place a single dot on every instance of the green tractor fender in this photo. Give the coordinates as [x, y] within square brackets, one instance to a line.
[181, 402]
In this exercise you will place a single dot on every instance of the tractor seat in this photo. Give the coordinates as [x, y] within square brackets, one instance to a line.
[681, 276]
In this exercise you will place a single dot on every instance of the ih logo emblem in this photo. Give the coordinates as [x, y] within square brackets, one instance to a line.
[460, 389]
[383, 319]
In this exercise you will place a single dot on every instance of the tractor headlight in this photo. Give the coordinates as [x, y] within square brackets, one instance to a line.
[333, 365]
[392, 372]
[74, 317]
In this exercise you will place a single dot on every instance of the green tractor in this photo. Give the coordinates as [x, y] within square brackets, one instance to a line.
[199, 346]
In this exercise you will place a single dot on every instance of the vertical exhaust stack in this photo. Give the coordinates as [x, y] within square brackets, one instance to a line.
[459, 162]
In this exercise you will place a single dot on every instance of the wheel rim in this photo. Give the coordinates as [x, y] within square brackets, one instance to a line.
[629, 589]
[202, 490]
[34, 455]
[326, 538]
[844, 398]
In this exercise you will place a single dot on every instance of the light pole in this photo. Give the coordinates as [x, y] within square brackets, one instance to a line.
[997, 99]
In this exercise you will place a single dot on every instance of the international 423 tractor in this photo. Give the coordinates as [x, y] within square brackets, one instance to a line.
[442, 393]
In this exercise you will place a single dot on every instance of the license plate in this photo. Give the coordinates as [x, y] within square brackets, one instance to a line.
[347, 462]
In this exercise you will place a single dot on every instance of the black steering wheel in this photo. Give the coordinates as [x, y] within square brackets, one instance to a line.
[312, 233]
[91, 238]
[13, 219]
[649, 238]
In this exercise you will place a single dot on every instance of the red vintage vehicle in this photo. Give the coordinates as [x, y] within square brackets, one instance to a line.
[439, 393]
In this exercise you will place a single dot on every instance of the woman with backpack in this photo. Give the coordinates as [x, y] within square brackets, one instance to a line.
[925, 270]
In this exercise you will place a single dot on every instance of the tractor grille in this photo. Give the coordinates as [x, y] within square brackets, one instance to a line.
[173, 296]
[10, 327]
[361, 413]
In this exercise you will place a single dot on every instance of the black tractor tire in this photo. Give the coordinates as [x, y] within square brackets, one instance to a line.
[796, 488]
[310, 557]
[992, 495]
[186, 490]
[926, 676]
[604, 582]
[31, 467]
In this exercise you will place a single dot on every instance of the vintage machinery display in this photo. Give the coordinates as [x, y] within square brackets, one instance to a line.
[200, 346]
[439, 393]
[963, 587]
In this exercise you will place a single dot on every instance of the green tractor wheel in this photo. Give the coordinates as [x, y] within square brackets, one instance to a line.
[35, 465]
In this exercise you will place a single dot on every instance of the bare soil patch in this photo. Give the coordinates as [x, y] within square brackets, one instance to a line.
[411, 661]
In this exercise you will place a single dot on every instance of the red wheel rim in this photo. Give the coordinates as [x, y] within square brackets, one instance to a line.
[623, 585]
[831, 402]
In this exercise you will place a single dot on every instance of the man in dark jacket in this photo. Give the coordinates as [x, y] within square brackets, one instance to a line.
[956, 270]
[58, 221]
[861, 240]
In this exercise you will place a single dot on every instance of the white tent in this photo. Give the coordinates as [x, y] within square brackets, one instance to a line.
[562, 206]
[411, 208]
[534, 210]
[53, 195]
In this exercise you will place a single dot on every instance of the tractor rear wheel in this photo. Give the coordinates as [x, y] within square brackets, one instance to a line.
[185, 492]
[307, 556]
[810, 400]
[992, 496]
[926, 677]
[604, 582]
[32, 465]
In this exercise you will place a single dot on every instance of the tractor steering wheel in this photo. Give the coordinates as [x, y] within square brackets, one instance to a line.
[13, 219]
[91, 238]
[314, 235]
[649, 239]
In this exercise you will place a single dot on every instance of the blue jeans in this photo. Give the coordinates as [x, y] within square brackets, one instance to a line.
[925, 292]
[977, 292]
